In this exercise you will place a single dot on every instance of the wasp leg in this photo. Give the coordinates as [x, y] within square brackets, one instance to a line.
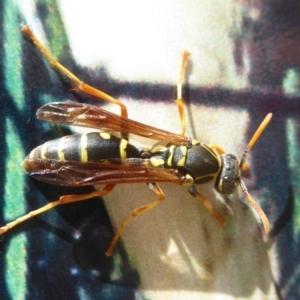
[78, 83]
[62, 200]
[216, 148]
[193, 191]
[157, 190]
[179, 101]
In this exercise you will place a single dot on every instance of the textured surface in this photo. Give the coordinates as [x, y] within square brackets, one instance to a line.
[245, 63]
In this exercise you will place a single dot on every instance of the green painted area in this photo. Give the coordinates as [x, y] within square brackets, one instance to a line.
[12, 53]
[45, 98]
[293, 163]
[54, 24]
[14, 184]
[16, 268]
[14, 200]
[291, 83]
[14, 206]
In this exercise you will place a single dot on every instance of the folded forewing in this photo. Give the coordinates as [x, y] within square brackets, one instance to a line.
[85, 115]
[73, 173]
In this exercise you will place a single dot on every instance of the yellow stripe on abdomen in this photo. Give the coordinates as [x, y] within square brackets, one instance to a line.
[83, 148]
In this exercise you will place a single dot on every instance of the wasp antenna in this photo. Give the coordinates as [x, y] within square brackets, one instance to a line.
[255, 205]
[255, 137]
[185, 56]
[179, 100]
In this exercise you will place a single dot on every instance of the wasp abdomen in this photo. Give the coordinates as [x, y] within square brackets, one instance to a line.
[92, 146]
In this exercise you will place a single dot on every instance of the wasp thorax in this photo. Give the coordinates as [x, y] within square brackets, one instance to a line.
[229, 176]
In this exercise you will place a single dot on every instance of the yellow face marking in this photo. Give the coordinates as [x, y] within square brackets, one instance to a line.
[83, 146]
[182, 161]
[44, 151]
[60, 150]
[171, 150]
[123, 146]
[156, 161]
[105, 135]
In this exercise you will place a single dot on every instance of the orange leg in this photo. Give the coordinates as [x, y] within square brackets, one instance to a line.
[156, 189]
[78, 83]
[193, 191]
[62, 200]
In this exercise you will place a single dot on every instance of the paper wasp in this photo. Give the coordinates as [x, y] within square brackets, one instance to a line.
[101, 158]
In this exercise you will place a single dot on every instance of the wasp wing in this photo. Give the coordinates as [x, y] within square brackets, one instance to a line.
[85, 115]
[73, 173]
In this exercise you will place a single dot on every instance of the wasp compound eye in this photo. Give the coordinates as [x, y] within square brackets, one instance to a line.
[229, 175]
